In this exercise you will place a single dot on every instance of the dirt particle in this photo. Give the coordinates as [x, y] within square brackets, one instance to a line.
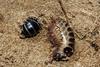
[95, 46]
[1, 17]
[0, 54]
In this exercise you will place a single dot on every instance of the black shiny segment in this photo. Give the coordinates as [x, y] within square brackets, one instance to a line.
[30, 28]
[24, 31]
[35, 26]
[68, 51]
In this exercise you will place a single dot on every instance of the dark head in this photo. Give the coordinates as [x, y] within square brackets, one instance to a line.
[67, 52]
[31, 27]
[58, 57]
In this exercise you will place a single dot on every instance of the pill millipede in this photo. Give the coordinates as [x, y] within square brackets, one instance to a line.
[30, 28]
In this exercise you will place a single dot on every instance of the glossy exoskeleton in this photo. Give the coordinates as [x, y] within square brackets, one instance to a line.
[30, 28]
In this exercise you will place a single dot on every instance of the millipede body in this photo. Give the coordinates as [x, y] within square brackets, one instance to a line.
[61, 36]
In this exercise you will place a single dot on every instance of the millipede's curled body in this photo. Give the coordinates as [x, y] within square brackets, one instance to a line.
[61, 36]
[30, 28]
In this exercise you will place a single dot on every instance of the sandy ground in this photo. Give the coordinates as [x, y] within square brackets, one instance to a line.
[33, 52]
